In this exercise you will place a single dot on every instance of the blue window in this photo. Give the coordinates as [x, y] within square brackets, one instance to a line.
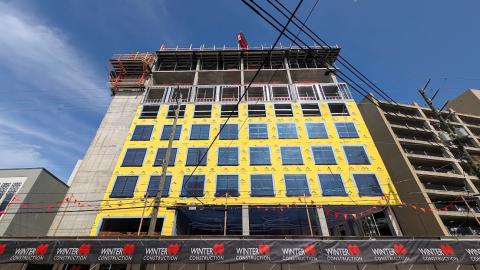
[316, 131]
[258, 131]
[229, 132]
[124, 186]
[142, 133]
[367, 185]
[200, 132]
[291, 155]
[227, 185]
[193, 187]
[261, 185]
[194, 156]
[154, 186]
[296, 185]
[134, 157]
[323, 155]
[260, 156]
[161, 153]
[287, 131]
[346, 130]
[227, 156]
[356, 155]
[332, 185]
[166, 132]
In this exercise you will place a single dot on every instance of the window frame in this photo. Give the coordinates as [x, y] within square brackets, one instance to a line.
[250, 138]
[306, 180]
[228, 139]
[269, 156]
[323, 145]
[352, 175]
[226, 147]
[310, 115]
[174, 160]
[341, 180]
[178, 127]
[199, 164]
[181, 195]
[115, 182]
[125, 154]
[169, 187]
[318, 122]
[199, 139]
[344, 122]
[237, 194]
[273, 185]
[181, 112]
[148, 117]
[280, 112]
[299, 148]
[257, 104]
[142, 140]
[338, 114]
[278, 132]
[364, 150]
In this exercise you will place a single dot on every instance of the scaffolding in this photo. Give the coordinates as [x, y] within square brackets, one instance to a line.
[130, 70]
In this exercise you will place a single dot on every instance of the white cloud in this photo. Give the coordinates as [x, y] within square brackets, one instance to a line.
[50, 92]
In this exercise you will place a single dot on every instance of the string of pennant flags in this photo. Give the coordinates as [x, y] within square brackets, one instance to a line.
[73, 201]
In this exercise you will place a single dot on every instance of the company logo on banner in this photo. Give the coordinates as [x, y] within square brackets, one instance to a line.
[444, 252]
[213, 253]
[397, 253]
[72, 253]
[168, 253]
[306, 253]
[350, 253]
[30, 253]
[474, 254]
[259, 253]
[124, 253]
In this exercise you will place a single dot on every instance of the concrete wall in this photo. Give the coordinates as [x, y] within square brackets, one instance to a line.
[412, 223]
[93, 174]
[467, 103]
[39, 188]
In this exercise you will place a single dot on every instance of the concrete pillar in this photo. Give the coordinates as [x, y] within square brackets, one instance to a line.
[393, 222]
[323, 222]
[245, 220]
[242, 77]
[195, 82]
[290, 82]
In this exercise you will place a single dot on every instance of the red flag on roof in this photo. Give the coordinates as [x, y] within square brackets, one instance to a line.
[242, 41]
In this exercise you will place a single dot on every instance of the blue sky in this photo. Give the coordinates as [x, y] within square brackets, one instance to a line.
[53, 56]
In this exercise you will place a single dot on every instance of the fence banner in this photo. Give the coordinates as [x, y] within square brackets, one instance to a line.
[121, 251]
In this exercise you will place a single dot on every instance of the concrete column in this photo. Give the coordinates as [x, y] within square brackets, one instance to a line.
[245, 220]
[393, 222]
[242, 77]
[195, 82]
[323, 222]
[293, 91]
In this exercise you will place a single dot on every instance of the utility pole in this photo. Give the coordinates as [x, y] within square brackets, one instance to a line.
[447, 127]
[158, 196]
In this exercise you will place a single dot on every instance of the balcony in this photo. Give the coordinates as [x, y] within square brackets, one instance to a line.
[446, 187]
[462, 230]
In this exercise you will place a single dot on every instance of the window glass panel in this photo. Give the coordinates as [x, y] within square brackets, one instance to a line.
[287, 131]
[310, 109]
[228, 156]
[256, 110]
[227, 185]
[338, 109]
[283, 110]
[367, 185]
[124, 186]
[161, 154]
[346, 130]
[149, 112]
[261, 185]
[356, 155]
[227, 109]
[296, 185]
[202, 111]
[171, 111]
[332, 185]
[316, 131]
[260, 156]
[229, 132]
[200, 132]
[134, 157]
[323, 155]
[291, 155]
[166, 132]
[258, 131]
[154, 185]
[194, 155]
[193, 187]
[142, 133]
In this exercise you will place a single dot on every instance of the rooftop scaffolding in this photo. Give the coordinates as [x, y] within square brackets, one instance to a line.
[130, 70]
